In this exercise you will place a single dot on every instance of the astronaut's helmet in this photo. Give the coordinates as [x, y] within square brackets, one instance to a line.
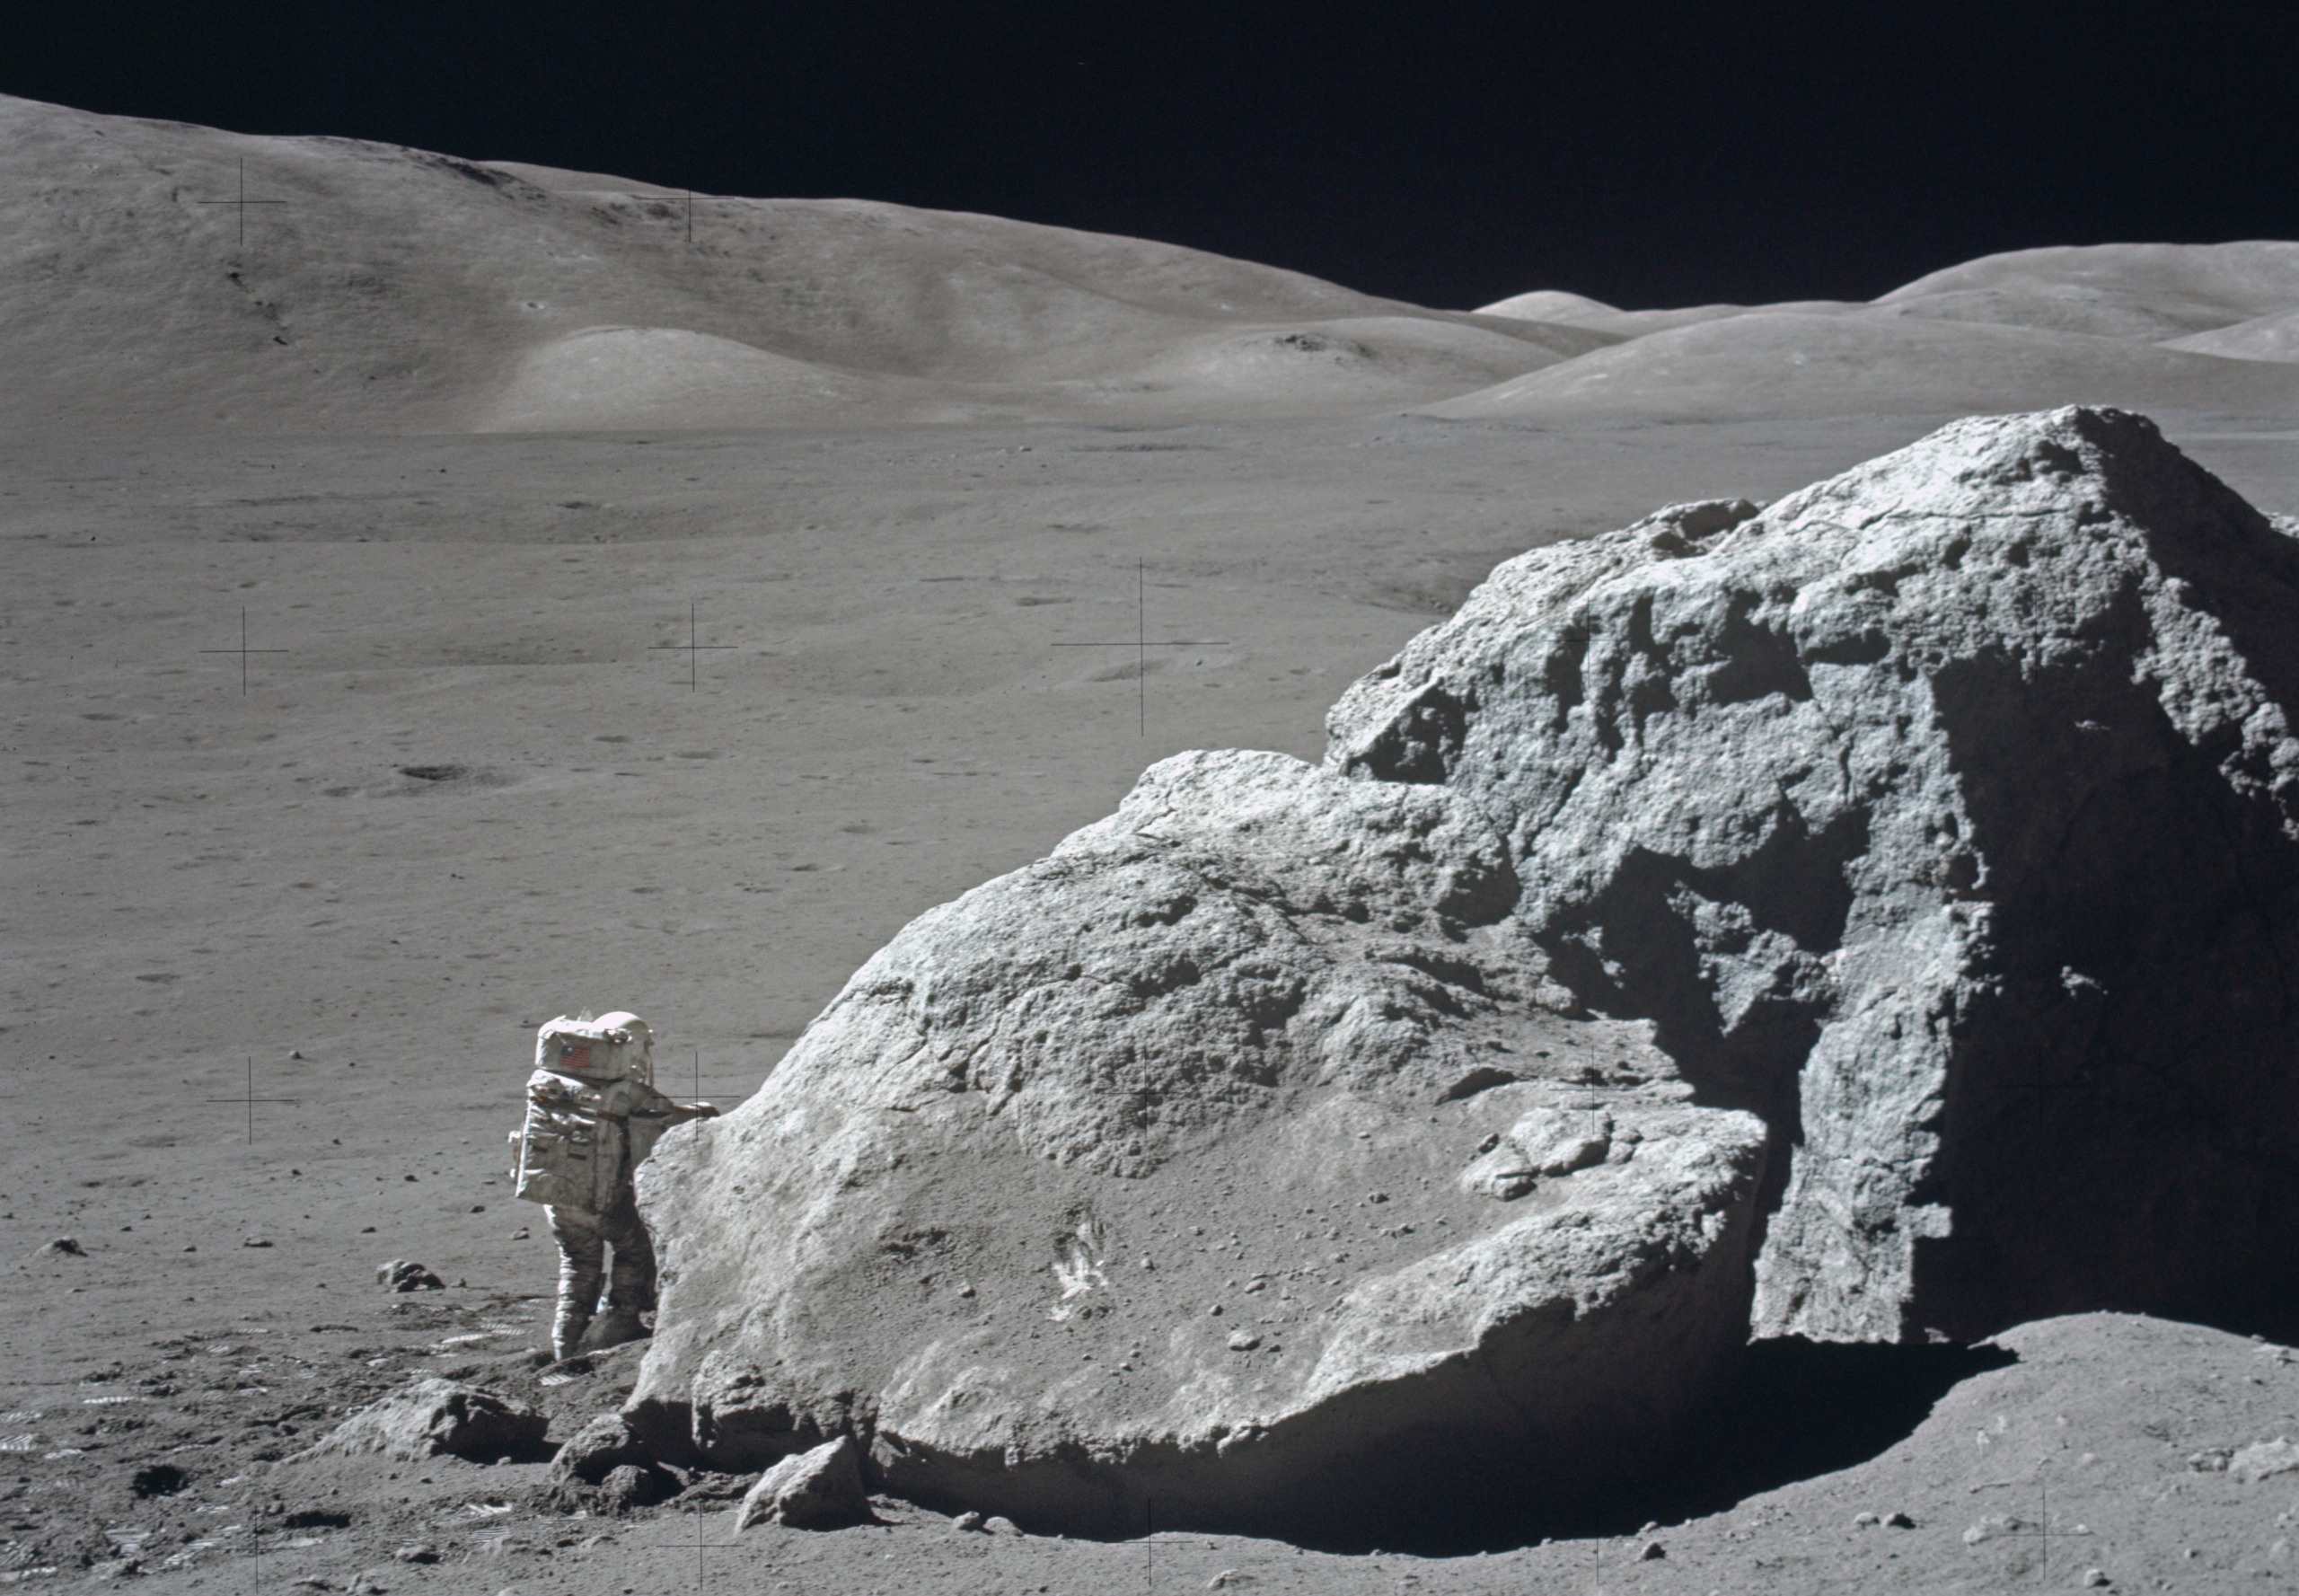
[611, 1047]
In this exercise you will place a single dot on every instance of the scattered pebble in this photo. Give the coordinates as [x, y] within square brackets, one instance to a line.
[401, 1274]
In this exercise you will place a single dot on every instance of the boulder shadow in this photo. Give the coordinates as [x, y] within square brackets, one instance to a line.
[1790, 1410]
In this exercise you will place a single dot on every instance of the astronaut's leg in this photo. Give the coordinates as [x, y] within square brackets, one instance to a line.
[631, 1288]
[582, 1259]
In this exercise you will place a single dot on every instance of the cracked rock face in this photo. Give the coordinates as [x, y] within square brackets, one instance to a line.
[1942, 814]
[1857, 918]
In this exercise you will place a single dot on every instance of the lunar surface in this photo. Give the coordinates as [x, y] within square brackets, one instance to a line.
[441, 594]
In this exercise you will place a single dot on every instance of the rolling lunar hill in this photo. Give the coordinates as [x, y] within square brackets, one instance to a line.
[367, 287]
[2144, 326]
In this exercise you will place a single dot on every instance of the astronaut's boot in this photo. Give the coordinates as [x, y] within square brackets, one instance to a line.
[566, 1331]
[616, 1326]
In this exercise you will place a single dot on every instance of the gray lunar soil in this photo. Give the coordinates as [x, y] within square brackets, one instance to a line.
[470, 447]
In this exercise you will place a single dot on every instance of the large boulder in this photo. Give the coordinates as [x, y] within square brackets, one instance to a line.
[1863, 918]
[1130, 1183]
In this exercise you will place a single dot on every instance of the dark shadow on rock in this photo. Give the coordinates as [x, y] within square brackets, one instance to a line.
[1637, 951]
[2122, 1130]
[1792, 1410]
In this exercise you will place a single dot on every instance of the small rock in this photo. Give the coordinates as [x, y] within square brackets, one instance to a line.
[520, 1234]
[2211, 1460]
[367, 1584]
[257, 1241]
[1244, 1341]
[1653, 1551]
[64, 1246]
[1214, 1311]
[1899, 1521]
[818, 1490]
[998, 1524]
[416, 1553]
[2092, 1579]
[597, 1450]
[401, 1274]
[1226, 1578]
[629, 1488]
[2256, 1463]
[969, 1521]
[318, 1518]
[965, 1289]
[1861, 1520]
[430, 1416]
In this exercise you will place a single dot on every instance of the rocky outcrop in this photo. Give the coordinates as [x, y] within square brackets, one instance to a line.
[427, 1417]
[1896, 880]
[1942, 814]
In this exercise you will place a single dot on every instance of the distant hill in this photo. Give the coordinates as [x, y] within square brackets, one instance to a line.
[381, 288]
[365, 288]
[2182, 326]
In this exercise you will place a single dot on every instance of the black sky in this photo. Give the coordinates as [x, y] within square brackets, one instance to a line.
[1448, 153]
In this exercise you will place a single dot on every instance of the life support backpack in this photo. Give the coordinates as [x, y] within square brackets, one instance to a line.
[573, 1146]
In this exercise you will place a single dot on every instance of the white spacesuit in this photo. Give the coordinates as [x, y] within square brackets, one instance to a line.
[593, 1116]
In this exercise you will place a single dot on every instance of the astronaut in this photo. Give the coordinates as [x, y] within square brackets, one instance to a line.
[593, 1116]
